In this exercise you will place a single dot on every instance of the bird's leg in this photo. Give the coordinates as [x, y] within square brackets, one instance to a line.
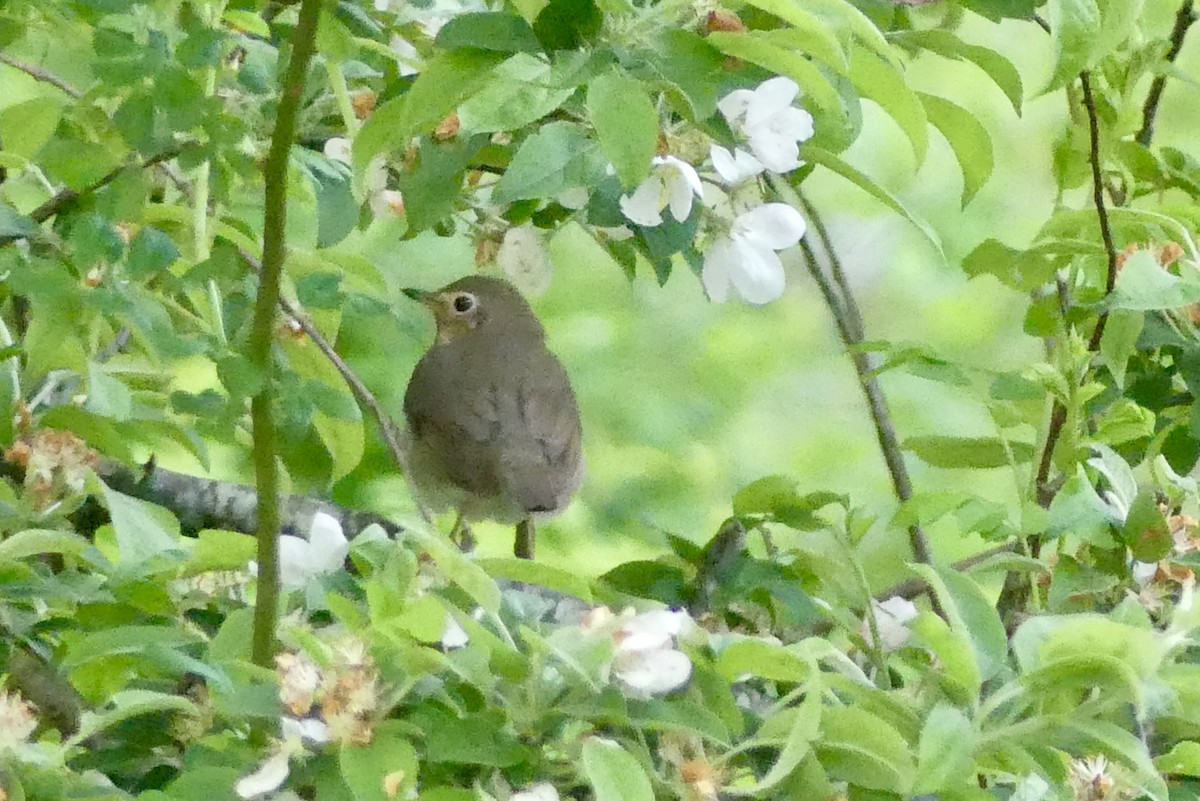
[523, 545]
[461, 534]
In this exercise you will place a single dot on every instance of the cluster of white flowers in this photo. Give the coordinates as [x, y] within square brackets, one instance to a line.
[745, 256]
[646, 659]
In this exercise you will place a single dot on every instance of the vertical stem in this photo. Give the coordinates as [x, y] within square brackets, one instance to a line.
[266, 471]
[341, 92]
[201, 240]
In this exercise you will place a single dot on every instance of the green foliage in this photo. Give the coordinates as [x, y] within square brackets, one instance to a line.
[131, 217]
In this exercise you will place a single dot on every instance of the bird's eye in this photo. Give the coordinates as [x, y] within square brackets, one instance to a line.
[464, 303]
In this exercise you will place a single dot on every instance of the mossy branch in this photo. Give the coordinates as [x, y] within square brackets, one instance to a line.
[266, 470]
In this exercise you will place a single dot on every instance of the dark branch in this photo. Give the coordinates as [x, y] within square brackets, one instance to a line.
[849, 324]
[1183, 20]
[41, 74]
[66, 197]
[1110, 249]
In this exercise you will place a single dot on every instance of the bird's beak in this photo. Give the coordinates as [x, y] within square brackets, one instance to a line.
[421, 296]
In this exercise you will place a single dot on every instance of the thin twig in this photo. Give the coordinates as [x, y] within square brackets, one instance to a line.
[1183, 20]
[387, 427]
[41, 74]
[848, 321]
[1110, 249]
[266, 468]
[65, 197]
[849, 305]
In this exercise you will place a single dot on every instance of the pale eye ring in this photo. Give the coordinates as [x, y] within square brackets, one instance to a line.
[463, 302]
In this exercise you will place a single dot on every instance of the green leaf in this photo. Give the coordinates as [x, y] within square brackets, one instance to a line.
[691, 65]
[1143, 285]
[1145, 530]
[567, 24]
[969, 612]
[1124, 421]
[507, 33]
[881, 81]
[26, 126]
[954, 651]
[944, 760]
[678, 714]
[14, 225]
[543, 575]
[626, 123]
[806, 722]
[521, 91]
[758, 49]
[1182, 760]
[38, 541]
[247, 21]
[143, 530]
[613, 773]
[968, 138]
[366, 769]
[220, 550]
[999, 69]
[813, 35]
[829, 161]
[858, 747]
[129, 704]
[1119, 340]
[1096, 736]
[976, 453]
[778, 496]
[89, 647]
[447, 80]
[559, 156]
[765, 660]
[1073, 27]
[857, 23]
[469, 576]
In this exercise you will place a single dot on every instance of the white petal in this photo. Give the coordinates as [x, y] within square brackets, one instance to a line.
[758, 277]
[733, 106]
[779, 154]
[773, 225]
[1142, 572]
[679, 195]
[269, 775]
[720, 260]
[542, 791]
[899, 608]
[644, 206]
[679, 169]
[734, 167]
[338, 149]
[310, 729]
[655, 672]
[793, 123]
[296, 562]
[523, 258]
[772, 96]
[453, 634]
[329, 544]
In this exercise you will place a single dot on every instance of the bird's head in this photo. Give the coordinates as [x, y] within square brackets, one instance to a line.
[478, 302]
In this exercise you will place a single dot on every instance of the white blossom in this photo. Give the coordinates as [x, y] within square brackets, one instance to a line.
[453, 634]
[522, 257]
[645, 658]
[17, 720]
[892, 618]
[302, 560]
[542, 791]
[747, 258]
[380, 199]
[772, 126]
[273, 771]
[736, 166]
[672, 184]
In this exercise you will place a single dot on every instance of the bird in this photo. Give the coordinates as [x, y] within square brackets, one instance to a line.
[493, 426]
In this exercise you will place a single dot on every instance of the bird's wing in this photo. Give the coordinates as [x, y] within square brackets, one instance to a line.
[454, 420]
[539, 425]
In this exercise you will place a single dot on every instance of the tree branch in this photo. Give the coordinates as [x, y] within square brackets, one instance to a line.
[1183, 20]
[1058, 415]
[41, 74]
[275, 173]
[848, 321]
[66, 197]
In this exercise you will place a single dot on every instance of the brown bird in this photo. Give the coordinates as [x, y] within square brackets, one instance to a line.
[493, 427]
